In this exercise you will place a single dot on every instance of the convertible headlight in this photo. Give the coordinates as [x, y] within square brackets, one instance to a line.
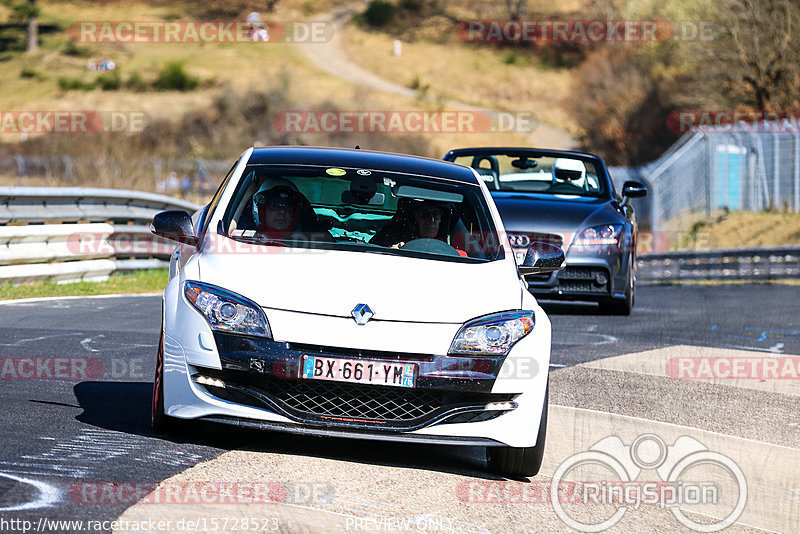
[226, 311]
[493, 334]
[606, 234]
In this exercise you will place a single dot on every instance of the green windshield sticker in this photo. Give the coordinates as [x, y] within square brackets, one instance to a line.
[335, 172]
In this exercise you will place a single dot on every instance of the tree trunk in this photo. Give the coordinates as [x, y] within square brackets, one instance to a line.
[33, 30]
[33, 34]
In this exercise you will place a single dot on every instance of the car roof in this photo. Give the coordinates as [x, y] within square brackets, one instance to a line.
[361, 159]
[518, 150]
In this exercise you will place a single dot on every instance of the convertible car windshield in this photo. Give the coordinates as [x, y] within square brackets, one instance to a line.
[361, 210]
[547, 175]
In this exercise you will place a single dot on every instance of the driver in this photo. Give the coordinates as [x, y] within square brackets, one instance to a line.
[276, 208]
[428, 219]
[569, 171]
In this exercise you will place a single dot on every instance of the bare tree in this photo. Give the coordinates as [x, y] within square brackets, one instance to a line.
[516, 9]
[25, 12]
[755, 53]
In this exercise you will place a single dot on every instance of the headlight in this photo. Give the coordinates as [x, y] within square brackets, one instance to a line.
[606, 234]
[226, 311]
[492, 334]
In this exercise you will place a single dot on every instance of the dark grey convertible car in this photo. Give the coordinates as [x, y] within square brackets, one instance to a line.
[566, 199]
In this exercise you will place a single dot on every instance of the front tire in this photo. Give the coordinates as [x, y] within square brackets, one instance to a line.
[161, 422]
[520, 462]
[623, 306]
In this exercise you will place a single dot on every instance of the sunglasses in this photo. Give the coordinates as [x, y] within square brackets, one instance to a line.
[277, 201]
[564, 174]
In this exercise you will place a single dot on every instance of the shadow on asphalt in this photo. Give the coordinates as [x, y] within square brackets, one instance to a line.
[125, 407]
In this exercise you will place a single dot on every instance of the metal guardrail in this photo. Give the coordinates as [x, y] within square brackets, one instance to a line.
[69, 234]
[777, 263]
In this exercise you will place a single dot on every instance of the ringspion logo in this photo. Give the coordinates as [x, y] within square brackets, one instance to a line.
[687, 473]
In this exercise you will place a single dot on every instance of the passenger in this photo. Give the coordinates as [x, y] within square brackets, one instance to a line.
[416, 219]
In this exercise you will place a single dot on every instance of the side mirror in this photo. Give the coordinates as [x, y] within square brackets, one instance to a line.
[542, 258]
[175, 225]
[633, 189]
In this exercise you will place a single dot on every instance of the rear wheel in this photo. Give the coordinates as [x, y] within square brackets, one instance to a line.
[519, 462]
[162, 423]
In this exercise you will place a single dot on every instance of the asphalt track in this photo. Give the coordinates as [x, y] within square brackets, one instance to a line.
[70, 431]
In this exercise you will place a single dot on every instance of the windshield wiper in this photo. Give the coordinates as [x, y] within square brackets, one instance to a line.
[261, 240]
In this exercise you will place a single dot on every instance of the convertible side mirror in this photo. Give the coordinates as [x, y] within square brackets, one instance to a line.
[175, 225]
[542, 258]
[632, 189]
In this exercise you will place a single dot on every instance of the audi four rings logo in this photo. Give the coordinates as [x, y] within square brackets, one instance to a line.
[519, 240]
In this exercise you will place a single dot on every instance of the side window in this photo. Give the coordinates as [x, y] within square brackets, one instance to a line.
[206, 217]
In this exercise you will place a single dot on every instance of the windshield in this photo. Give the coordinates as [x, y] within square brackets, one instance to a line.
[547, 175]
[362, 210]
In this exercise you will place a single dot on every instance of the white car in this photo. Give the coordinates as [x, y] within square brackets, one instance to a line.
[355, 294]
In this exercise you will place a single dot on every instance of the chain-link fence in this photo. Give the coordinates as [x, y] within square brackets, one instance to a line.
[706, 172]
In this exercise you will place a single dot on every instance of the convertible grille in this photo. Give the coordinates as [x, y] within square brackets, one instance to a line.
[351, 405]
[583, 280]
[553, 239]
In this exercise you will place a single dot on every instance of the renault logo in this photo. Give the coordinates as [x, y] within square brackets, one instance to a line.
[362, 314]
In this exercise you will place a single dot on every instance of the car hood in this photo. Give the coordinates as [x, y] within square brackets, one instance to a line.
[396, 288]
[551, 214]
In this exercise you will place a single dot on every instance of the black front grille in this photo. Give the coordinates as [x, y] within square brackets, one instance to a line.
[343, 404]
[580, 286]
[331, 399]
[583, 280]
[582, 273]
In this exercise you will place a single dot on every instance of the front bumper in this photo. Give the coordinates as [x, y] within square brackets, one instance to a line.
[265, 374]
[260, 385]
[585, 277]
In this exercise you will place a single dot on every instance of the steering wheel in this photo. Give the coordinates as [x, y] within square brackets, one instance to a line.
[431, 246]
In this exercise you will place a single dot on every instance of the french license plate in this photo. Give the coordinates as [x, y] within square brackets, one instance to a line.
[382, 373]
